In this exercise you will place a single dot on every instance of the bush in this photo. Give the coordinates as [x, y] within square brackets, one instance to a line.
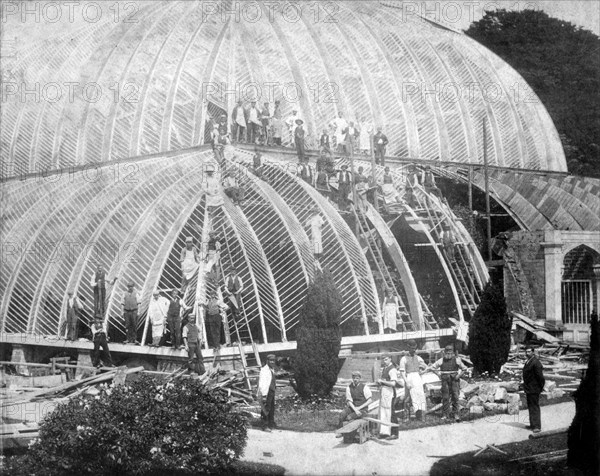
[316, 365]
[584, 433]
[489, 332]
[144, 427]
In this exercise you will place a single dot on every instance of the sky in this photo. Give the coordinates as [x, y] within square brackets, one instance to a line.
[455, 13]
[584, 13]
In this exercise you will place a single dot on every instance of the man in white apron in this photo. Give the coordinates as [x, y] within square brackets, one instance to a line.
[189, 262]
[388, 383]
[157, 312]
[411, 367]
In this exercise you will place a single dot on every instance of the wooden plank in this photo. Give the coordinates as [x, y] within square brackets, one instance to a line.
[352, 426]
[374, 420]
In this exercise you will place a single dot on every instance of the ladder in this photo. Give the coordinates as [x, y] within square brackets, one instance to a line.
[241, 327]
[459, 266]
[513, 264]
[366, 233]
[430, 322]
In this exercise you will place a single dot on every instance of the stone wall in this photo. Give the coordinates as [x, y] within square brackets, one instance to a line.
[527, 246]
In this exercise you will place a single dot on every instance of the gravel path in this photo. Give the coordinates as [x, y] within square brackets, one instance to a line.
[412, 454]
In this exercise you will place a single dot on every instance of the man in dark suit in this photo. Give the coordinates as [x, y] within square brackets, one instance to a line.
[533, 384]
[380, 141]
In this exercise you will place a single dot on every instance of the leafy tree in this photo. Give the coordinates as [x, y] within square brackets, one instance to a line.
[584, 433]
[316, 365]
[560, 61]
[146, 427]
[489, 332]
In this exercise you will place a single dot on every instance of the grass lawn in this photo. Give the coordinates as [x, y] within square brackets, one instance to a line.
[321, 415]
[492, 463]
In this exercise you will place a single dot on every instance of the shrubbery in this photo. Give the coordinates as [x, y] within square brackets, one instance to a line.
[316, 365]
[584, 433]
[489, 332]
[144, 427]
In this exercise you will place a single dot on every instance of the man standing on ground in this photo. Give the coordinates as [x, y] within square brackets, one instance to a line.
[358, 399]
[410, 370]
[533, 385]
[131, 301]
[157, 313]
[266, 394]
[192, 341]
[99, 334]
[449, 369]
[388, 383]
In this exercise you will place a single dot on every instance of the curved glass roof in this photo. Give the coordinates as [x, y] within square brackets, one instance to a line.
[112, 90]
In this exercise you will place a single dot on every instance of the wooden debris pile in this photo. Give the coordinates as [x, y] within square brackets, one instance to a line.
[23, 405]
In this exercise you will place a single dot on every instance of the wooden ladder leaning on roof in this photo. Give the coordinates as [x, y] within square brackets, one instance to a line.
[241, 327]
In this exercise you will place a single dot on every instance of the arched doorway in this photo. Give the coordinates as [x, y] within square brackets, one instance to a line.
[580, 287]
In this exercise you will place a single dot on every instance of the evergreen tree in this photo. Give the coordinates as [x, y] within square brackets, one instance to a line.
[316, 365]
[489, 332]
[560, 62]
[584, 433]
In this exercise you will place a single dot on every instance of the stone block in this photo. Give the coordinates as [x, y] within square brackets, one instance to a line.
[490, 407]
[474, 401]
[476, 410]
[500, 395]
[549, 386]
[556, 393]
[512, 386]
[470, 389]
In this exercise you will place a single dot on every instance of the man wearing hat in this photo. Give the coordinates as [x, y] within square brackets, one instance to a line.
[266, 393]
[533, 386]
[358, 399]
[449, 368]
[238, 125]
[380, 141]
[299, 139]
[99, 334]
[253, 120]
[411, 367]
[189, 259]
[157, 314]
[131, 301]
[344, 187]
[74, 308]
